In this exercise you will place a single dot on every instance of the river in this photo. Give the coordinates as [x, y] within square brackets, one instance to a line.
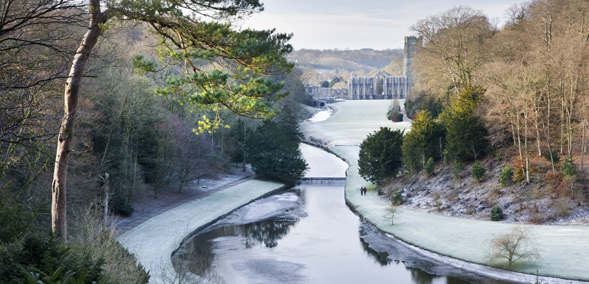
[308, 235]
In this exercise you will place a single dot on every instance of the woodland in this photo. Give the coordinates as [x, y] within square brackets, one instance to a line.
[136, 98]
[506, 106]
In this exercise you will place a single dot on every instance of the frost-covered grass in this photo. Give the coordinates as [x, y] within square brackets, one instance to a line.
[564, 250]
[352, 121]
[154, 241]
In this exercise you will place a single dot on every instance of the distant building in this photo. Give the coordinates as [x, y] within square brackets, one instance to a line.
[382, 85]
[318, 92]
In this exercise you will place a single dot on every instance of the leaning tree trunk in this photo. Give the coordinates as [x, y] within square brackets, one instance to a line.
[66, 131]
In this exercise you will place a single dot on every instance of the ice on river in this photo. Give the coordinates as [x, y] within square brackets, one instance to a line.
[322, 163]
[286, 205]
[322, 115]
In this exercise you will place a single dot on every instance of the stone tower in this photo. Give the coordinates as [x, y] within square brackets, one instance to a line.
[409, 50]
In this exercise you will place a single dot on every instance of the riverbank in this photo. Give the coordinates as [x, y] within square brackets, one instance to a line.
[153, 241]
[563, 248]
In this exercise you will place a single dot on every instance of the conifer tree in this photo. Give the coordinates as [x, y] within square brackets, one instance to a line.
[191, 32]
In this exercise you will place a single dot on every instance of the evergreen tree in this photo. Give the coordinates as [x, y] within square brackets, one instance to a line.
[380, 154]
[424, 141]
[193, 34]
[465, 132]
[273, 149]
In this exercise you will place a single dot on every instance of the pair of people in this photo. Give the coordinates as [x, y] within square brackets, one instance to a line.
[363, 190]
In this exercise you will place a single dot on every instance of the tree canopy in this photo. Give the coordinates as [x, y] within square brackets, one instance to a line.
[380, 154]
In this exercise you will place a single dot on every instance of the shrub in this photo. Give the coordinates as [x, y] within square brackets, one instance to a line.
[568, 167]
[478, 171]
[429, 166]
[398, 117]
[458, 168]
[496, 213]
[44, 259]
[396, 197]
[555, 156]
[506, 177]
[121, 206]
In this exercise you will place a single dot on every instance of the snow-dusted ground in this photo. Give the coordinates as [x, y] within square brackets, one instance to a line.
[321, 115]
[154, 241]
[564, 249]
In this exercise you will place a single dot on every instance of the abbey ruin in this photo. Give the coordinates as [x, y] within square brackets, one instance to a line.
[378, 86]
[382, 85]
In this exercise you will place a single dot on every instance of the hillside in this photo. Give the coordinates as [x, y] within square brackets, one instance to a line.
[321, 65]
[547, 200]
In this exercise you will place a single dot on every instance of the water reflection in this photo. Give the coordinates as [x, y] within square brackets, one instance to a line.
[309, 238]
[267, 232]
[197, 255]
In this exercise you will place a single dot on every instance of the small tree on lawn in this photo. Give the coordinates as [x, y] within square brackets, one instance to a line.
[519, 244]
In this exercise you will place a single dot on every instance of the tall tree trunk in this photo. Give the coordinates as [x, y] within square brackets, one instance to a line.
[536, 124]
[583, 145]
[66, 131]
[526, 148]
[548, 130]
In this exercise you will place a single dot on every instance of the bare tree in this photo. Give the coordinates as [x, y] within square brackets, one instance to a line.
[519, 244]
[453, 40]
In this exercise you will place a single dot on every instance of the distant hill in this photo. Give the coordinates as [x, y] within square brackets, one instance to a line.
[321, 65]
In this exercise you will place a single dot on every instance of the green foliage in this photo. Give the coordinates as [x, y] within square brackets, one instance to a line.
[478, 171]
[121, 205]
[423, 141]
[568, 167]
[325, 84]
[423, 102]
[429, 166]
[273, 149]
[222, 67]
[496, 213]
[335, 81]
[239, 135]
[457, 170]
[16, 218]
[555, 156]
[465, 132]
[380, 154]
[506, 177]
[141, 65]
[396, 197]
[44, 259]
[397, 117]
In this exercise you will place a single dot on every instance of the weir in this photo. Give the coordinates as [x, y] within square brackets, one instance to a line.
[324, 180]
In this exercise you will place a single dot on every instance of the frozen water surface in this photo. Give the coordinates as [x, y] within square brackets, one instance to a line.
[322, 163]
[322, 115]
[307, 236]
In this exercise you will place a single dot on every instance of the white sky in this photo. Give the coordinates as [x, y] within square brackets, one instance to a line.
[355, 24]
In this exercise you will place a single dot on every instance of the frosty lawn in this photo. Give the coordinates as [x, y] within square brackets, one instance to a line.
[564, 249]
[154, 241]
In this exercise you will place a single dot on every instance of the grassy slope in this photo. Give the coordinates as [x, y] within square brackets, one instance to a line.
[564, 249]
[154, 241]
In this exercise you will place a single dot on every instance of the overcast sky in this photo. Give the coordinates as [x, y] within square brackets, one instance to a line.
[355, 24]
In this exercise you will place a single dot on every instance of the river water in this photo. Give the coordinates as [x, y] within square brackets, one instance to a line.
[308, 235]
